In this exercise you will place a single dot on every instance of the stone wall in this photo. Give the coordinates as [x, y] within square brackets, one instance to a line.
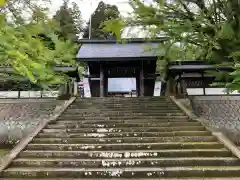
[20, 117]
[221, 112]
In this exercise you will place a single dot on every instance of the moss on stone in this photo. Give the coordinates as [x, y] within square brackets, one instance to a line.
[4, 151]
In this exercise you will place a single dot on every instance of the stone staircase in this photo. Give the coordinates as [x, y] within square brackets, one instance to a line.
[122, 138]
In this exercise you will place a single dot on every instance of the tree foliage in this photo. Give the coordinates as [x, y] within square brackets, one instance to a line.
[2, 3]
[210, 27]
[104, 12]
[33, 49]
[69, 21]
[20, 11]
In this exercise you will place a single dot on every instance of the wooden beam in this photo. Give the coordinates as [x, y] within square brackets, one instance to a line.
[97, 77]
[141, 77]
[204, 89]
[101, 80]
[105, 81]
[137, 83]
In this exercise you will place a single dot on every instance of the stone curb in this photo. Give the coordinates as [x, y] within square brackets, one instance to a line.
[220, 136]
[7, 159]
[191, 114]
[232, 147]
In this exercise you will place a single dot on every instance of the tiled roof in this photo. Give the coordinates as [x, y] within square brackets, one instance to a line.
[94, 51]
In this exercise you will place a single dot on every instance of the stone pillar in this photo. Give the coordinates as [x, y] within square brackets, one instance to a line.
[141, 81]
[75, 91]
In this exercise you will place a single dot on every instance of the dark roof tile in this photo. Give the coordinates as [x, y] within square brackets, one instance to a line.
[100, 51]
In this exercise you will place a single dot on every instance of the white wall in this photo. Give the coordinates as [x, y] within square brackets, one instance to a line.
[195, 91]
[8, 94]
[209, 91]
[28, 94]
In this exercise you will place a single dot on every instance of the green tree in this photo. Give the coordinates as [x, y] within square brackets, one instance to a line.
[2, 3]
[24, 47]
[19, 11]
[69, 21]
[103, 13]
[210, 27]
[77, 18]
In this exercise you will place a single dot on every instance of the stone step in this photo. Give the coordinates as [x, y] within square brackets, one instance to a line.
[123, 135]
[205, 171]
[95, 114]
[126, 129]
[125, 103]
[124, 108]
[228, 178]
[127, 100]
[120, 125]
[126, 162]
[174, 153]
[156, 98]
[124, 140]
[123, 121]
[149, 98]
[137, 101]
[129, 108]
[126, 146]
[125, 112]
[69, 117]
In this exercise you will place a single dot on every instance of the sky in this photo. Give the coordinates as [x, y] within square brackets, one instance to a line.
[86, 7]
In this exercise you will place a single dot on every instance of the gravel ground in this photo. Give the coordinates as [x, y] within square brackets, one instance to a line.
[19, 118]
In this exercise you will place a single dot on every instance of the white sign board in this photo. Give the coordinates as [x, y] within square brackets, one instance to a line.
[121, 84]
[157, 88]
[87, 92]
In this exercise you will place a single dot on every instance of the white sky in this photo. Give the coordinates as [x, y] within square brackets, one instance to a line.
[87, 9]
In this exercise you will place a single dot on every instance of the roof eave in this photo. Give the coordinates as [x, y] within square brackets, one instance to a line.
[127, 40]
[117, 59]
